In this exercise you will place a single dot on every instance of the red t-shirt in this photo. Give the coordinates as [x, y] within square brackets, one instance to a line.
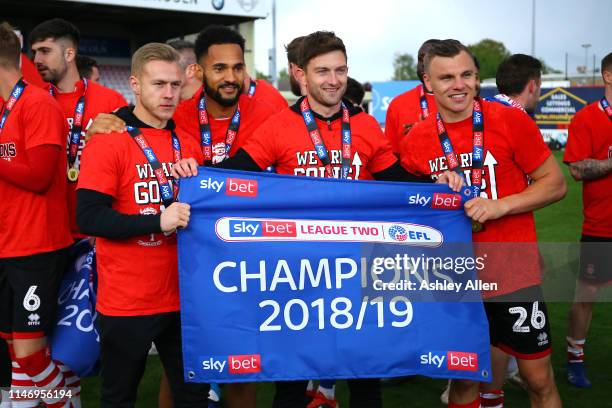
[33, 223]
[404, 112]
[252, 114]
[283, 141]
[514, 148]
[266, 92]
[590, 137]
[98, 99]
[30, 73]
[138, 275]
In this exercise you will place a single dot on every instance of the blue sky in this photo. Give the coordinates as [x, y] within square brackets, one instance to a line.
[374, 31]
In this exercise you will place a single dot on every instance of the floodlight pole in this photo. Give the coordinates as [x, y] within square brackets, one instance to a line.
[274, 73]
[533, 26]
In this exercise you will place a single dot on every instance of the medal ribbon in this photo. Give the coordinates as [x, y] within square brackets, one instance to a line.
[423, 102]
[77, 125]
[606, 107]
[319, 144]
[16, 93]
[206, 133]
[168, 193]
[252, 88]
[477, 152]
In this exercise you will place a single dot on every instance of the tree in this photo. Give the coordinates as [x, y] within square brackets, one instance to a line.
[404, 67]
[261, 75]
[490, 54]
[547, 69]
[283, 74]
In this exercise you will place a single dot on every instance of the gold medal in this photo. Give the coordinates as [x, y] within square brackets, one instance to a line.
[476, 226]
[73, 174]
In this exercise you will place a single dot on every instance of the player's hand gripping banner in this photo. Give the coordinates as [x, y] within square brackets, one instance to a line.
[286, 278]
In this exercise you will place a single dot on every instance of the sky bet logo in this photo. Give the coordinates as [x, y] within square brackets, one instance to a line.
[237, 364]
[233, 186]
[454, 360]
[443, 201]
[246, 228]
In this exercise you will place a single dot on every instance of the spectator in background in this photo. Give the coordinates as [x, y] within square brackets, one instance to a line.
[88, 68]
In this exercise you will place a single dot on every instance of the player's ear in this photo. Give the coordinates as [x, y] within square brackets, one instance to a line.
[427, 81]
[300, 75]
[197, 71]
[135, 85]
[69, 54]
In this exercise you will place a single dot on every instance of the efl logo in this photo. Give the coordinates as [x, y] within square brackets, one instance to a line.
[457, 360]
[446, 201]
[244, 364]
[241, 187]
[240, 228]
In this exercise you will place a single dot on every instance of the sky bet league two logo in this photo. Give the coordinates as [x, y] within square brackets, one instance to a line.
[398, 233]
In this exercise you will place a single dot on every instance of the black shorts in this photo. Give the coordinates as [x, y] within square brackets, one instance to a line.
[28, 293]
[519, 323]
[595, 259]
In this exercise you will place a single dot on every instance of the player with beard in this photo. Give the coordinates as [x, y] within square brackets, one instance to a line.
[354, 148]
[496, 148]
[54, 45]
[126, 198]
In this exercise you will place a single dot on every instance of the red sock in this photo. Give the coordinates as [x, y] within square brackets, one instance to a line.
[492, 399]
[473, 404]
[46, 375]
[575, 350]
[21, 382]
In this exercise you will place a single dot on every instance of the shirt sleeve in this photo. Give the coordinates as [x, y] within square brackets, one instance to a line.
[579, 144]
[527, 142]
[118, 102]
[44, 123]
[100, 165]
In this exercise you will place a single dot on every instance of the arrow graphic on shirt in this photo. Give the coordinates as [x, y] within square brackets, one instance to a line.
[357, 163]
[490, 163]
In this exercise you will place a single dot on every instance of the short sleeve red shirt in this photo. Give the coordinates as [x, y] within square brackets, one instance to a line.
[252, 114]
[404, 112]
[283, 142]
[138, 275]
[30, 73]
[264, 91]
[98, 99]
[33, 223]
[590, 137]
[514, 148]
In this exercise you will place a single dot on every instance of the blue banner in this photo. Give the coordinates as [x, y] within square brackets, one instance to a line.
[75, 340]
[286, 278]
[384, 92]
